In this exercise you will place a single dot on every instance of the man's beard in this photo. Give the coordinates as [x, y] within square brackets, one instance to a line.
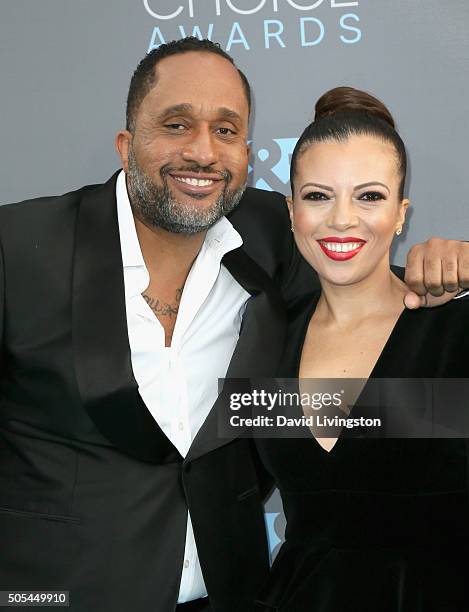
[157, 207]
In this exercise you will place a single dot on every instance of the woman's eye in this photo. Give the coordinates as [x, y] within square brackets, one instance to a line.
[371, 196]
[316, 196]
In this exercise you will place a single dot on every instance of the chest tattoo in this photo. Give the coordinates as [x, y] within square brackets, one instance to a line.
[164, 309]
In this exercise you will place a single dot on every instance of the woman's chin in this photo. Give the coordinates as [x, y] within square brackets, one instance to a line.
[340, 273]
[342, 278]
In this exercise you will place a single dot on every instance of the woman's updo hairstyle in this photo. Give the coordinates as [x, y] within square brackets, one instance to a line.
[343, 112]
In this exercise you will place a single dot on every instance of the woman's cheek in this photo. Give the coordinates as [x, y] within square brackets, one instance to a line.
[306, 221]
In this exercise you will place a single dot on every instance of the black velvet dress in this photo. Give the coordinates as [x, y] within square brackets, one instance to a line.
[377, 525]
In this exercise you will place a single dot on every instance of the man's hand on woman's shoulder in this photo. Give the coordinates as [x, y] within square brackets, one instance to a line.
[436, 271]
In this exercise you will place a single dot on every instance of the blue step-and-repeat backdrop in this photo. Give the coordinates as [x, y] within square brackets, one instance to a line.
[65, 69]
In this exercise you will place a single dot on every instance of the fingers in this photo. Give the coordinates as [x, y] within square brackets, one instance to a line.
[438, 266]
[432, 301]
[449, 273]
[412, 301]
[463, 266]
[414, 270]
[433, 276]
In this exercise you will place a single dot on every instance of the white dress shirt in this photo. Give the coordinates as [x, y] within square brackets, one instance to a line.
[179, 384]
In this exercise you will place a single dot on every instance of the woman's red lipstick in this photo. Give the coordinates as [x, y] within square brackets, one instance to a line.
[341, 249]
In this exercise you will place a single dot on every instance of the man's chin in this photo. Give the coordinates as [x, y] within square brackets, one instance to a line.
[185, 218]
[202, 200]
[199, 196]
[184, 227]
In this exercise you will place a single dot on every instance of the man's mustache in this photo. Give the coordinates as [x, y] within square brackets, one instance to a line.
[224, 174]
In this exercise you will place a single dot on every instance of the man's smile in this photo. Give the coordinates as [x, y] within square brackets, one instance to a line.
[196, 183]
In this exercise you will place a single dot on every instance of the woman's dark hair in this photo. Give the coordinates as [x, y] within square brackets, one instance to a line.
[343, 112]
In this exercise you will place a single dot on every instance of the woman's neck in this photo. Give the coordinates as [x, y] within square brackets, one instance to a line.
[380, 294]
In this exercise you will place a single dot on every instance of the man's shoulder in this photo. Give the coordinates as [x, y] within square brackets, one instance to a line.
[259, 201]
[49, 220]
[262, 211]
[261, 219]
[44, 204]
[263, 197]
[47, 215]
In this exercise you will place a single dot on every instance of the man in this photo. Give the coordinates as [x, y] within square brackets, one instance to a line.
[122, 304]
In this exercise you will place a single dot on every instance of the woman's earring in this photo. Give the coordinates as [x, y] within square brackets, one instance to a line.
[399, 231]
[292, 228]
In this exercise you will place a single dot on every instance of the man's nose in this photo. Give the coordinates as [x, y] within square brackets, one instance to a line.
[201, 148]
[342, 214]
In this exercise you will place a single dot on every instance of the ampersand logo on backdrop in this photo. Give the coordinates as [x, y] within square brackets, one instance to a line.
[273, 164]
[255, 24]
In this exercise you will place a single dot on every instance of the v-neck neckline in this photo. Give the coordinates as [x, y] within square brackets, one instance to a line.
[374, 371]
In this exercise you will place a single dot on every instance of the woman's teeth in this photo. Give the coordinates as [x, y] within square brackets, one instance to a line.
[342, 247]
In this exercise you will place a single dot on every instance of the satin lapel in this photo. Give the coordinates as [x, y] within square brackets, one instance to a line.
[259, 347]
[100, 340]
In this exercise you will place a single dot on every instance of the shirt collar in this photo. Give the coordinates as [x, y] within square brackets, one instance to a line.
[130, 246]
[220, 238]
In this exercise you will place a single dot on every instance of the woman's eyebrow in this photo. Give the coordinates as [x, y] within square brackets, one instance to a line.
[325, 187]
[370, 184]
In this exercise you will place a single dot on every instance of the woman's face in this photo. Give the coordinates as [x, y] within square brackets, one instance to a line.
[346, 207]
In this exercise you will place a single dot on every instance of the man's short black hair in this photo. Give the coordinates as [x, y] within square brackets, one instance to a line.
[144, 77]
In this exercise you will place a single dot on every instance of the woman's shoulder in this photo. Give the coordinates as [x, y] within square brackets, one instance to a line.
[446, 325]
[455, 312]
[460, 308]
[435, 341]
[463, 299]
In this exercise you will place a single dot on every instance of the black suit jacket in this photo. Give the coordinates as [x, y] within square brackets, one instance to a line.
[93, 496]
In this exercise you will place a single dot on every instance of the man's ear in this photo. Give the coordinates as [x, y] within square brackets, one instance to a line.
[122, 142]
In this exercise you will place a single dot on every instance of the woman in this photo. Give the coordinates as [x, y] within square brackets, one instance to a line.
[372, 524]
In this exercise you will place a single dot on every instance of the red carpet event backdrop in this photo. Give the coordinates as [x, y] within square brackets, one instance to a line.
[66, 67]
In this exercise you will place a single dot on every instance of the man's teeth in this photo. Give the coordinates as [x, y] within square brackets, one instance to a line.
[342, 247]
[194, 181]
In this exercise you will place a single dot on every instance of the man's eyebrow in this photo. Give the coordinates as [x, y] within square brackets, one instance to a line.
[228, 113]
[175, 110]
[186, 108]
[370, 184]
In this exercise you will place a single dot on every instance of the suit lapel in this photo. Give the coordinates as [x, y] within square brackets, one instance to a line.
[100, 338]
[258, 350]
[101, 345]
